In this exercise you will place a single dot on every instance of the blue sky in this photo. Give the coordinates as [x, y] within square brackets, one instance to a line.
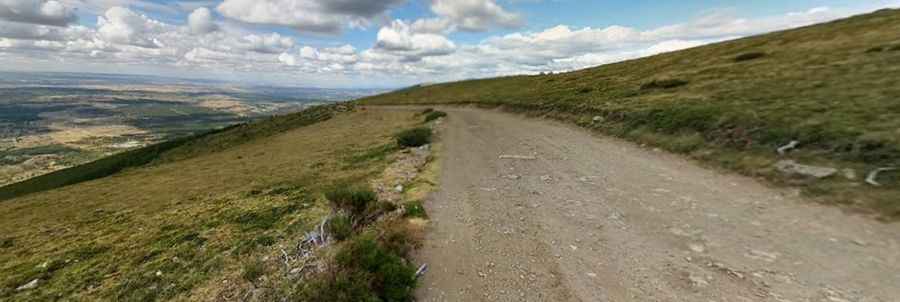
[376, 43]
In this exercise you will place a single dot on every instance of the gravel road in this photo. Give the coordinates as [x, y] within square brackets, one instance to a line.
[579, 217]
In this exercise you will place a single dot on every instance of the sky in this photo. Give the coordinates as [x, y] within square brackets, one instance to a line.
[377, 43]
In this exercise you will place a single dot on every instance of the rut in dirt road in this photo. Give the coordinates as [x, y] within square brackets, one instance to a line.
[597, 219]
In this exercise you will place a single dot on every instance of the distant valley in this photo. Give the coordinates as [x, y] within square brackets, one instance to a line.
[51, 121]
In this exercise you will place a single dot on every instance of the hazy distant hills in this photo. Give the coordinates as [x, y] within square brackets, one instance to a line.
[50, 121]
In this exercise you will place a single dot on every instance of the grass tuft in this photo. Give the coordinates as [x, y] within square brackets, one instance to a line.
[355, 200]
[7, 243]
[434, 115]
[749, 56]
[341, 227]
[414, 209]
[252, 270]
[414, 137]
[663, 84]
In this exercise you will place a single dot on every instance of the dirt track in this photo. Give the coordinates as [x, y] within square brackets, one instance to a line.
[598, 219]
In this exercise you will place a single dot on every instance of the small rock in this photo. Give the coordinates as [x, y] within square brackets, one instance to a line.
[762, 255]
[597, 119]
[592, 275]
[792, 167]
[546, 178]
[399, 188]
[158, 273]
[698, 281]
[29, 285]
[849, 174]
[512, 176]
[859, 242]
[696, 247]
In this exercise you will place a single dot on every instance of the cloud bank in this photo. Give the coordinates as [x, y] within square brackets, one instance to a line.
[226, 38]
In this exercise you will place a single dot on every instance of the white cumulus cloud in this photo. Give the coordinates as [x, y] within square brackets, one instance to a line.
[201, 21]
[318, 16]
[44, 12]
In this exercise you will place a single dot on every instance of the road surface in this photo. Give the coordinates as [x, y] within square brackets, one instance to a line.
[591, 218]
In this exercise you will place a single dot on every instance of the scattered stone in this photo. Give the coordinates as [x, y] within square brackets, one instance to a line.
[761, 255]
[592, 275]
[29, 285]
[860, 242]
[696, 247]
[784, 149]
[158, 273]
[421, 271]
[698, 281]
[849, 174]
[872, 179]
[546, 178]
[597, 119]
[399, 188]
[521, 157]
[512, 176]
[792, 167]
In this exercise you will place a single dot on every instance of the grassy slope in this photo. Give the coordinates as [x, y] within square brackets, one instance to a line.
[834, 87]
[177, 228]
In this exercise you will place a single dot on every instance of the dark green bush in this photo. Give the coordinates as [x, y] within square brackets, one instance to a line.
[354, 200]
[749, 56]
[663, 84]
[434, 115]
[340, 286]
[414, 137]
[414, 209]
[340, 227]
[389, 276]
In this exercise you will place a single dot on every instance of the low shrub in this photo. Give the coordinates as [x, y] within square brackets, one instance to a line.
[340, 227]
[414, 209]
[664, 84]
[434, 115]
[354, 200]
[338, 286]
[895, 48]
[749, 56]
[252, 270]
[400, 237]
[427, 110]
[414, 137]
[389, 276]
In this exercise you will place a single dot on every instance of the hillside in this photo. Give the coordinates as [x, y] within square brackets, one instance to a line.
[208, 217]
[834, 88]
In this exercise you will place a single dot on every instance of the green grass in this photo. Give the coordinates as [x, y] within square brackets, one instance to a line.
[414, 209]
[733, 103]
[182, 148]
[195, 215]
